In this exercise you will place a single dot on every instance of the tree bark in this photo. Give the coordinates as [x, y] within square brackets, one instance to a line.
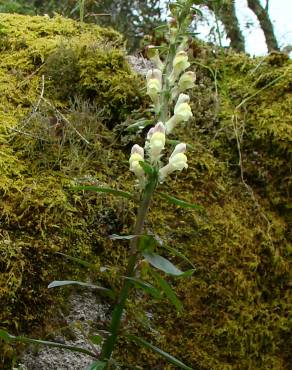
[227, 15]
[265, 23]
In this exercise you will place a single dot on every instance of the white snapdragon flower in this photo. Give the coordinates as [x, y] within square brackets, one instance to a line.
[154, 86]
[137, 155]
[180, 63]
[187, 81]
[177, 161]
[156, 141]
[182, 112]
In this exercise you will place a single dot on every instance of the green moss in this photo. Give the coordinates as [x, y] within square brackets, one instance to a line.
[236, 304]
[45, 143]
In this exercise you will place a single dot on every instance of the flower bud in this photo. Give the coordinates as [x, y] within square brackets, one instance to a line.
[172, 29]
[153, 55]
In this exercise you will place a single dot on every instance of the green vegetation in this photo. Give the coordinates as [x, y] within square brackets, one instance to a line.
[68, 125]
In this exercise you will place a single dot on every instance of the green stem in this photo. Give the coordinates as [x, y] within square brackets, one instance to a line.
[81, 10]
[109, 344]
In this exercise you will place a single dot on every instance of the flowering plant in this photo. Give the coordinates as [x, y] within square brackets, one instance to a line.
[166, 84]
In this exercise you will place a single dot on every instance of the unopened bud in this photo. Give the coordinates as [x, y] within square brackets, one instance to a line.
[153, 55]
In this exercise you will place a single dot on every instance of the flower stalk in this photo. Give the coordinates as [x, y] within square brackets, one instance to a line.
[109, 344]
[165, 83]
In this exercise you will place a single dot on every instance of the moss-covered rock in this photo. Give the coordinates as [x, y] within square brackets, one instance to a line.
[57, 128]
[62, 85]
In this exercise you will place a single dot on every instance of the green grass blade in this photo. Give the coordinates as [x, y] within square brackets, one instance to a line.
[159, 351]
[168, 291]
[179, 254]
[179, 202]
[60, 283]
[11, 338]
[79, 261]
[147, 287]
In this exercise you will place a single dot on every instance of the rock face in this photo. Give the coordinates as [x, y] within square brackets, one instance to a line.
[85, 312]
[66, 96]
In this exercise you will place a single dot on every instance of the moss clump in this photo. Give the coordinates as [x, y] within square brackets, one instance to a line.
[49, 134]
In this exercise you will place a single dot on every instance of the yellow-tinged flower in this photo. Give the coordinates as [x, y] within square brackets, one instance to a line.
[137, 155]
[187, 81]
[180, 63]
[182, 112]
[156, 141]
[177, 162]
[154, 86]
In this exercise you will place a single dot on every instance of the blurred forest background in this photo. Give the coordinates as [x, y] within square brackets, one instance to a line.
[137, 18]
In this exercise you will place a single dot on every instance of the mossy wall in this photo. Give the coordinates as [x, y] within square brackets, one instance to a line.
[58, 128]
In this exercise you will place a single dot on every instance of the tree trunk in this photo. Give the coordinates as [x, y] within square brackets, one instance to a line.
[265, 23]
[227, 15]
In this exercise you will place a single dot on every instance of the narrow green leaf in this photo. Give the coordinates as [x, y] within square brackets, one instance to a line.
[79, 261]
[159, 351]
[117, 193]
[96, 339]
[58, 283]
[187, 273]
[148, 169]
[11, 338]
[97, 365]
[162, 264]
[161, 27]
[168, 291]
[179, 254]
[139, 125]
[4, 335]
[145, 286]
[179, 202]
[122, 237]
[75, 8]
